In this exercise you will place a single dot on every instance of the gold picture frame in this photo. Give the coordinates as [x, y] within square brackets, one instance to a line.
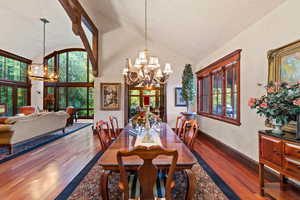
[284, 66]
[110, 96]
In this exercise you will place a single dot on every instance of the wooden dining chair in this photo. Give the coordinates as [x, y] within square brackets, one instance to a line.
[115, 130]
[179, 125]
[190, 131]
[103, 132]
[143, 184]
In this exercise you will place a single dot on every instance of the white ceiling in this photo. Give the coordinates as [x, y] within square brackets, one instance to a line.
[191, 28]
[22, 32]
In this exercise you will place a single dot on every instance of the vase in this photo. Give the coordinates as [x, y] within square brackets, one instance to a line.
[277, 127]
[298, 128]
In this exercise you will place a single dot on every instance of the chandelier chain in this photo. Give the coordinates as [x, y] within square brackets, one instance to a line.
[146, 24]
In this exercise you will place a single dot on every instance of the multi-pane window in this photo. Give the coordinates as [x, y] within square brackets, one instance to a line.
[75, 86]
[14, 85]
[218, 89]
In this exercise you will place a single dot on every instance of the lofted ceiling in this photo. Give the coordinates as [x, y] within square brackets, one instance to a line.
[22, 32]
[191, 28]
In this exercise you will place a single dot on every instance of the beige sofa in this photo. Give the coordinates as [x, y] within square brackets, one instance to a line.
[22, 128]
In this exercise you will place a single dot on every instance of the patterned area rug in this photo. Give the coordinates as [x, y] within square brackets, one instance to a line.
[209, 186]
[24, 147]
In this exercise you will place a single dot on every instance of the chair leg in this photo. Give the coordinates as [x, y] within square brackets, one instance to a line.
[10, 149]
[191, 185]
[104, 185]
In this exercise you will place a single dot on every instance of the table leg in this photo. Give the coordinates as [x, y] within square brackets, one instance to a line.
[191, 184]
[104, 185]
[261, 179]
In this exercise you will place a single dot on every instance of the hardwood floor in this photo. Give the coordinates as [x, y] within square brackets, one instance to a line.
[241, 179]
[43, 173]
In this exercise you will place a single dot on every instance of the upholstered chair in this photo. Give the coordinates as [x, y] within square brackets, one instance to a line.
[27, 110]
[71, 111]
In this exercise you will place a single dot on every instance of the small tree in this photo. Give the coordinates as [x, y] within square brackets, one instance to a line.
[188, 86]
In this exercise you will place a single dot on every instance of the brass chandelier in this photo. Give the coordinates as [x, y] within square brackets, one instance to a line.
[40, 71]
[146, 70]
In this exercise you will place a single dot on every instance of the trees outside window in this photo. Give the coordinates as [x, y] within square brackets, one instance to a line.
[218, 92]
[75, 86]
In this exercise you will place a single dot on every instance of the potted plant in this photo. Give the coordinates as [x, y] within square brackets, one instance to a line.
[280, 105]
[188, 90]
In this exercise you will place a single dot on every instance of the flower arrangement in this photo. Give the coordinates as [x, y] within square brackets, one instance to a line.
[144, 117]
[280, 105]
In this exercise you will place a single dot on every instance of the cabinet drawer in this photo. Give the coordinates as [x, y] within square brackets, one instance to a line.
[291, 166]
[292, 150]
[271, 150]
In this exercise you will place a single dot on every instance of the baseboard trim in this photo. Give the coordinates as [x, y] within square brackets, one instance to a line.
[240, 157]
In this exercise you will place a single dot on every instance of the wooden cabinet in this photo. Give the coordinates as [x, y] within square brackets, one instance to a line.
[283, 155]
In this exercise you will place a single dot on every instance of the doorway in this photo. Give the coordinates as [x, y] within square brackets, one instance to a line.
[134, 99]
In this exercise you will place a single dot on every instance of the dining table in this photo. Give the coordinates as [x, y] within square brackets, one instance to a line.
[127, 140]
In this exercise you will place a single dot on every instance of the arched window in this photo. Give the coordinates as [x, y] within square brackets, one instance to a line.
[75, 86]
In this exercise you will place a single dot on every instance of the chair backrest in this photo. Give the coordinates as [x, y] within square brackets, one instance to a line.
[147, 172]
[102, 130]
[190, 129]
[179, 125]
[114, 126]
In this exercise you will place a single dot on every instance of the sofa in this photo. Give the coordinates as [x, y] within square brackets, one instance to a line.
[22, 128]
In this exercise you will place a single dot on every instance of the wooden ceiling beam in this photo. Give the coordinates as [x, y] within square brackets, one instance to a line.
[78, 16]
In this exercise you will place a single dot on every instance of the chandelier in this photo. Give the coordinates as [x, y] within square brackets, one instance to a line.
[38, 71]
[146, 70]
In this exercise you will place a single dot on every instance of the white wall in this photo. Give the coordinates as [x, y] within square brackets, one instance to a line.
[278, 28]
[120, 44]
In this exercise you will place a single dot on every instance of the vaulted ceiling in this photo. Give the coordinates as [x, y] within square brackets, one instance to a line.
[191, 28]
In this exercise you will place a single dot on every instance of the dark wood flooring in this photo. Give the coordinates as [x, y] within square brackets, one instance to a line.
[43, 173]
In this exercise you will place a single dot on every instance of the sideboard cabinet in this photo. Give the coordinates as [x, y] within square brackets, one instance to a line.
[282, 154]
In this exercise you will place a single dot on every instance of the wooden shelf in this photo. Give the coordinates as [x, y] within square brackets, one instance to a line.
[288, 192]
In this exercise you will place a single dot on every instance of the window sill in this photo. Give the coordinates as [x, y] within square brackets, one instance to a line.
[220, 118]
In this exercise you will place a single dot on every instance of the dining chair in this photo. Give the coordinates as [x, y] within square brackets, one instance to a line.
[179, 125]
[103, 132]
[148, 182]
[190, 131]
[115, 130]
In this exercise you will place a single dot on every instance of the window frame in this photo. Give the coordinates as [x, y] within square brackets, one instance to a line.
[67, 84]
[230, 61]
[15, 85]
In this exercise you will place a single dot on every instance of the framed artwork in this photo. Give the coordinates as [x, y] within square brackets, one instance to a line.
[110, 96]
[179, 101]
[2, 109]
[284, 66]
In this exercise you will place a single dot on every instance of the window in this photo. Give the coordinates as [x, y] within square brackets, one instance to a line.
[219, 89]
[75, 86]
[14, 84]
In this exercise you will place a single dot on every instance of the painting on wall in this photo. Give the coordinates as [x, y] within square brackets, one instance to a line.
[2, 109]
[284, 66]
[110, 96]
[284, 63]
[179, 101]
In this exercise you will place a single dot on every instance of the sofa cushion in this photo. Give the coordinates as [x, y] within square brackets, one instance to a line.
[5, 128]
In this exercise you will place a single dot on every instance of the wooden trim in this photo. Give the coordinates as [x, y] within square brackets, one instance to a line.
[225, 58]
[14, 56]
[220, 66]
[77, 14]
[240, 157]
[54, 53]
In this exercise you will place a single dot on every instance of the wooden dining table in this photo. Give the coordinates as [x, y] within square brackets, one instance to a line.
[126, 141]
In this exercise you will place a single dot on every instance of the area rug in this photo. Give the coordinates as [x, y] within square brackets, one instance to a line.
[209, 186]
[24, 147]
